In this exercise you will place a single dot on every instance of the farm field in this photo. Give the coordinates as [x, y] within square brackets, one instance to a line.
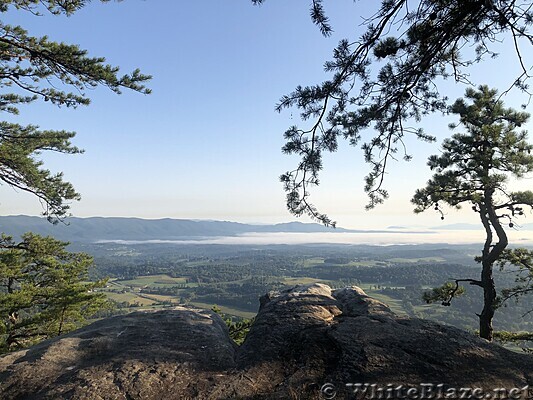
[152, 280]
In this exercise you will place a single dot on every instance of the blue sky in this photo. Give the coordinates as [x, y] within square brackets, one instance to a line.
[206, 143]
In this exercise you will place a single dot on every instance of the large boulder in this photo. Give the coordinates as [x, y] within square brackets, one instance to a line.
[172, 354]
[311, 335]
[302, 339]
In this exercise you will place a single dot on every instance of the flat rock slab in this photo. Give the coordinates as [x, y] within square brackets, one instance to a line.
[302, 338]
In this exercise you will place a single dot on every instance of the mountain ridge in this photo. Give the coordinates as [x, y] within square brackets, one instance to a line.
[91, 229]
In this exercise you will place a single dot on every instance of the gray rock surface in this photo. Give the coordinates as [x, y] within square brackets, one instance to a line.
[301, 339]
[142, 355]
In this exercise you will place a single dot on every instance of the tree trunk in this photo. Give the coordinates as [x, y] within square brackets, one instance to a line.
[491, 253]
[489, 299]
[61, 320]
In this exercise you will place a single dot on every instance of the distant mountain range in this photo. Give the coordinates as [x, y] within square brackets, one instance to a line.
[114, 228]
[95, 229]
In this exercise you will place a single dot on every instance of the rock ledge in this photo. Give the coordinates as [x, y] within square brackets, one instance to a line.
[301, 339]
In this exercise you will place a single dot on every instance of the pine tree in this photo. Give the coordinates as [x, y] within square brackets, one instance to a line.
[389, 78]
[473, 169]
[36, 68]
[43, 290]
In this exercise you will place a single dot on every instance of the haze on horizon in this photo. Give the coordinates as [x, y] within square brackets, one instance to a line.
[448, 237]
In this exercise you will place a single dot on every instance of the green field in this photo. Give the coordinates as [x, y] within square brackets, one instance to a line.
[131, 298]
[153, 280]
[130, 291]
[394, 304]
[362, 263]
[302, 281]
[224, 309]
[415, 260]
[311, 262]
[161, 298]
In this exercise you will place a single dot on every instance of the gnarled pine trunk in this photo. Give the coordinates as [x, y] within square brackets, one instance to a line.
[491, 253]
[489, 300]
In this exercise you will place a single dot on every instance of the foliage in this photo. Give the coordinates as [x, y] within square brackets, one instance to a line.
[518, 338]
[481, 159]
[443, 293]
[474, 168]
[33, 68]
[521, 260]
[43, 290]
[20, 169]
[411, 46]
[237, 329]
